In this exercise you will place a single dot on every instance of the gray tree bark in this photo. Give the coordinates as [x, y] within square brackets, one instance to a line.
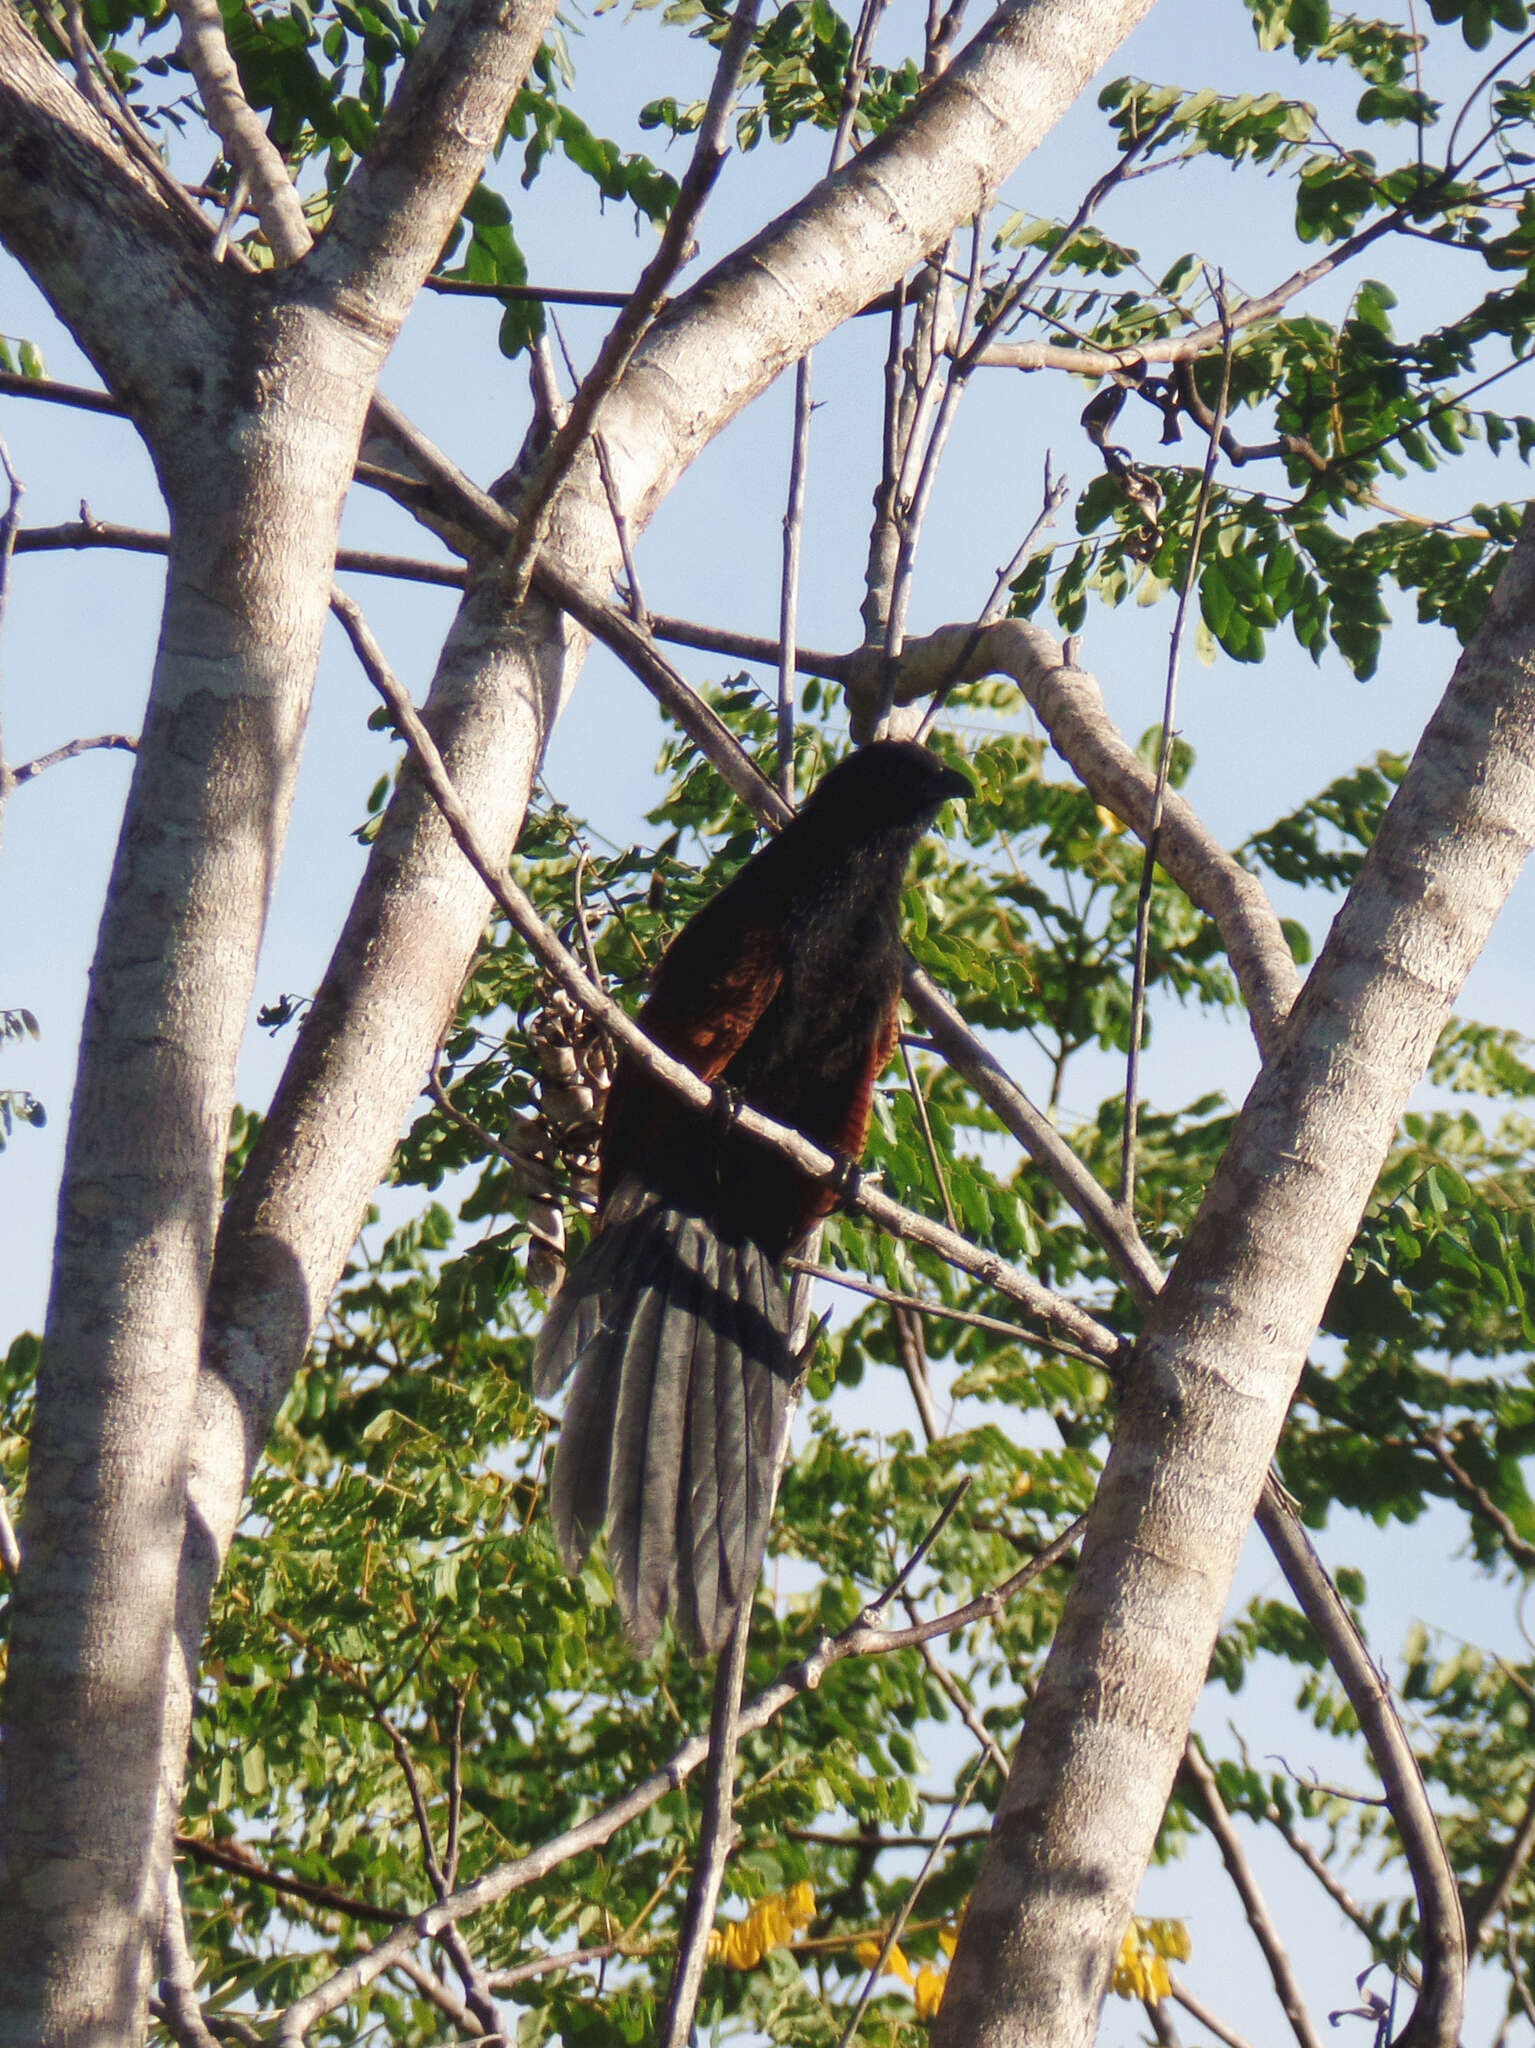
[251, 394]
[1217, 1365]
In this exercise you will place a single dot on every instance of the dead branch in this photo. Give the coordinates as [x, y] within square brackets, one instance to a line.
[1243, 1877]
[1434, 2022]
[247, 146]
[709, 153]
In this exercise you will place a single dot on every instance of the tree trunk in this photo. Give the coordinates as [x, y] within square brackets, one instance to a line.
[1213, 1375]
[251, 393]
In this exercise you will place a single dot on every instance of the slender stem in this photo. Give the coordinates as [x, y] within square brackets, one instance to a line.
[715, 1839]
[917, 1306]
[1164, 766]
[788, 602]
[1198, 2010]
[919, 1103]
[1254, 1905]
[1435, 2022]
[10, 526]
[709, 153]
[898, 1925]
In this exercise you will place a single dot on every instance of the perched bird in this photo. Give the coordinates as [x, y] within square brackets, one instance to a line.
[784, 989]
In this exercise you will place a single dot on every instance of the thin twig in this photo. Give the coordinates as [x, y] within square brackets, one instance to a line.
[455, 1788]
[788, 596]
[903, 1913]
[716, 1838]
[912, 506]
[963, 1705]
[1056, 491]
[903, 1577]
[1488, 1903]
[1198, 2010]
[532, 1170]
[1339, 1893]
[919, 1103]
[709, 153]
[443, 1996]
[1518, 1547]
[10, 526]
[1286, 1987]
[477, 1995]
[799, 446]
[1164, 766]
[241, 1863]
[906, 1326]
[1435, 2022]
[106, 96]
[121, 742]
[621, 528]
[915, 1302]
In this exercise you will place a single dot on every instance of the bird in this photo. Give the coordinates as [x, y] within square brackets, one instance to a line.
[784, 991]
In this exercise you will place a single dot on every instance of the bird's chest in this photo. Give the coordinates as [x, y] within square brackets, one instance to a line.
[815, 1042]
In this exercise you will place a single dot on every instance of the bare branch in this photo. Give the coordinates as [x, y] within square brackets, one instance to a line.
[1201, 2012]
[906, 1325]
[80, 396]
[709, 154]
[716, 1838]
[859, 1640]
[443, 1996]
[963, 1705]
[1095, 362]
[1436, 2017]
[915, 1302]
[1153, 836]
[1490, 1902]
[788, 596]
[137, 540]
[1197, 1768]
[122, 742]
[1339, 1893]
[897, 1926]
[240, 1862]
[1478, 1498]
[240, 129]
[10, 521]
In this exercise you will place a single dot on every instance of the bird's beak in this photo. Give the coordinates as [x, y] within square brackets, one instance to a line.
[952, 783]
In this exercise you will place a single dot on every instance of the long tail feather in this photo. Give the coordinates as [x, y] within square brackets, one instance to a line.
[679, 1345]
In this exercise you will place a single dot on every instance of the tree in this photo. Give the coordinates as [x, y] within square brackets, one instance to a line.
[177, 1340]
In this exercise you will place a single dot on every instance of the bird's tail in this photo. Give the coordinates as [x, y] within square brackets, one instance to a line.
[684, 1379]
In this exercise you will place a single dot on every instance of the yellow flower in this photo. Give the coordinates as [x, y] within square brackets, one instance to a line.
[928, 1990]
[925, 1983]
[771, 1923]
[1141, 1968]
